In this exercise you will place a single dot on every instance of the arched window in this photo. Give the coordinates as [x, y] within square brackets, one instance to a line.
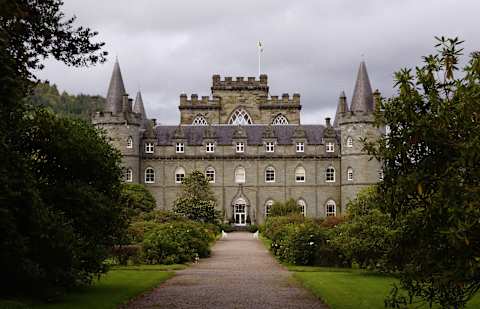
[129, 142]
[330, 208]
[149, 175]
[268, 207]
[210, 174]
[349, 174]
[200, 121]
[240, 174]
[330, 174]
[349, 141]
[300, 174]
[179, 174]
[240, 117]
[270, 174]
[128, 175]
[280, 120]
[303, 207]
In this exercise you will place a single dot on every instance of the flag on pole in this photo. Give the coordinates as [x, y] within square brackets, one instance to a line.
[260, 46]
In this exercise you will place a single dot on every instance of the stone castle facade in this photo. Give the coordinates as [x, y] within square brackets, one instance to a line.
[251, 146]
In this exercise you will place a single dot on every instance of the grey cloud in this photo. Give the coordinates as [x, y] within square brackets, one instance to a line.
[311, 47]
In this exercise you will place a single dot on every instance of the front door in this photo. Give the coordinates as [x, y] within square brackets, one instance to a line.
[240, 214]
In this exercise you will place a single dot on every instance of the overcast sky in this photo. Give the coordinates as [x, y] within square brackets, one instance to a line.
[312, 47]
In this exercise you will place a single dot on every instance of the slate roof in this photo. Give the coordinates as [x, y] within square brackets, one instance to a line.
[224, 133]
[362, 99]
[116, 90]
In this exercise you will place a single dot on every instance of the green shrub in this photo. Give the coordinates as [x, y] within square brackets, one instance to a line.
[162, 216]
[274, 224]
[137, 199]
[284, 209]
[177, 242]
[226, 227]
[252, 228]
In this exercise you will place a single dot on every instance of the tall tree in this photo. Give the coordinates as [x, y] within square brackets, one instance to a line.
[430, 191]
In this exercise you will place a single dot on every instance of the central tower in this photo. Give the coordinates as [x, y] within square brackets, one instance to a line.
[239, 101]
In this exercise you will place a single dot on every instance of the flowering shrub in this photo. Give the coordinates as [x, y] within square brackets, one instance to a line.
[177, 242]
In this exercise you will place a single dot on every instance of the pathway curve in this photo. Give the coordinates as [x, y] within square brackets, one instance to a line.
[241, 273]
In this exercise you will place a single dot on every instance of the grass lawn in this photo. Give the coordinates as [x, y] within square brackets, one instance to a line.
[350, 288]
[116, 287]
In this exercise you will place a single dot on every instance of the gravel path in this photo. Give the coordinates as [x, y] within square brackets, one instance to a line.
[239, 274]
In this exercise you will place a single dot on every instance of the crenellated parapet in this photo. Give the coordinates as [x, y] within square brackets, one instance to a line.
[107, 117]
[205, 102]
[240, 83]
[283, 102]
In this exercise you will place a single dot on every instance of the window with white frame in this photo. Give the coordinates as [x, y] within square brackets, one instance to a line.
[300, 174]
[330, 147]
[268, 207]
[269, 174]
[210, 174]
[149, 175]
[179, 147]
[210, 147]
[330, 174]
[240, 117]
[200, 121]
[240, 174]
[149, 147]
[303, 206]
[129, 142]
[240, 147]
[330, 208]
[380, 174]
[349, 142]
[179, 174]
[129, 175]
[349, 174]
[280, 120]
[270, 147]
[300, 147]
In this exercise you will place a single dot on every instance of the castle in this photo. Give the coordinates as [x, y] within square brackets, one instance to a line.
[251, 146]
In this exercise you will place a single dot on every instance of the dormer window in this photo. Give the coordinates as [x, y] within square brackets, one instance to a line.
[129, 142]
[149, 147]
[330, 147]
[210, 147]
[240, 147]
[300, 147]
[270, 147]
[179, 147]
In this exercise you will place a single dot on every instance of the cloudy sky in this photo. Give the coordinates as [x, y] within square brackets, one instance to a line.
[312, 47]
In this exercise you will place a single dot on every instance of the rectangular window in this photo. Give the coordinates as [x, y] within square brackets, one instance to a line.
[210, 147]
[270, 175]
[330, 175]
[300, 147]
[240, 147]
[179, 177]
[270, 147]
[149, 147]
[330, 147]
[179, 148]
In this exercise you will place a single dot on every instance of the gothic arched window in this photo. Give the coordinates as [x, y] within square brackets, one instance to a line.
[210, 174]
[330, 208]
[129, 175]
[200, 121]
[350, 174]
[240, 117]
[280, 120]
[129, 142]
[303, 206]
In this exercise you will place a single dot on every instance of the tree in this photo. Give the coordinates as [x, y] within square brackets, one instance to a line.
[59, 178]
[430, 192]
[197, 201]
[137, 199]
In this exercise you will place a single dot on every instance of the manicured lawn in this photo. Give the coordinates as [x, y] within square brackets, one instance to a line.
[350, 289]
[118, 286]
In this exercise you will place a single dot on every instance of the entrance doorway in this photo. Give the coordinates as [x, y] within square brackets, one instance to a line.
[240, 212]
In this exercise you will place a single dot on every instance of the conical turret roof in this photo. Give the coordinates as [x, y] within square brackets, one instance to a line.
[342, 107]
[116, 90]
[362, 99]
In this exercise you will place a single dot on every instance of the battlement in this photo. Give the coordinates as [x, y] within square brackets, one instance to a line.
[285, 99]
[194, 100]
[240, 83]
[106, 117]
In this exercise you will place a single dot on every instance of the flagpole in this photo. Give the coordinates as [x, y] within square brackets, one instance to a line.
[259, 53]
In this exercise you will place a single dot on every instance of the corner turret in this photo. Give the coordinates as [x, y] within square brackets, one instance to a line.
[362, 99]
[116, 91]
